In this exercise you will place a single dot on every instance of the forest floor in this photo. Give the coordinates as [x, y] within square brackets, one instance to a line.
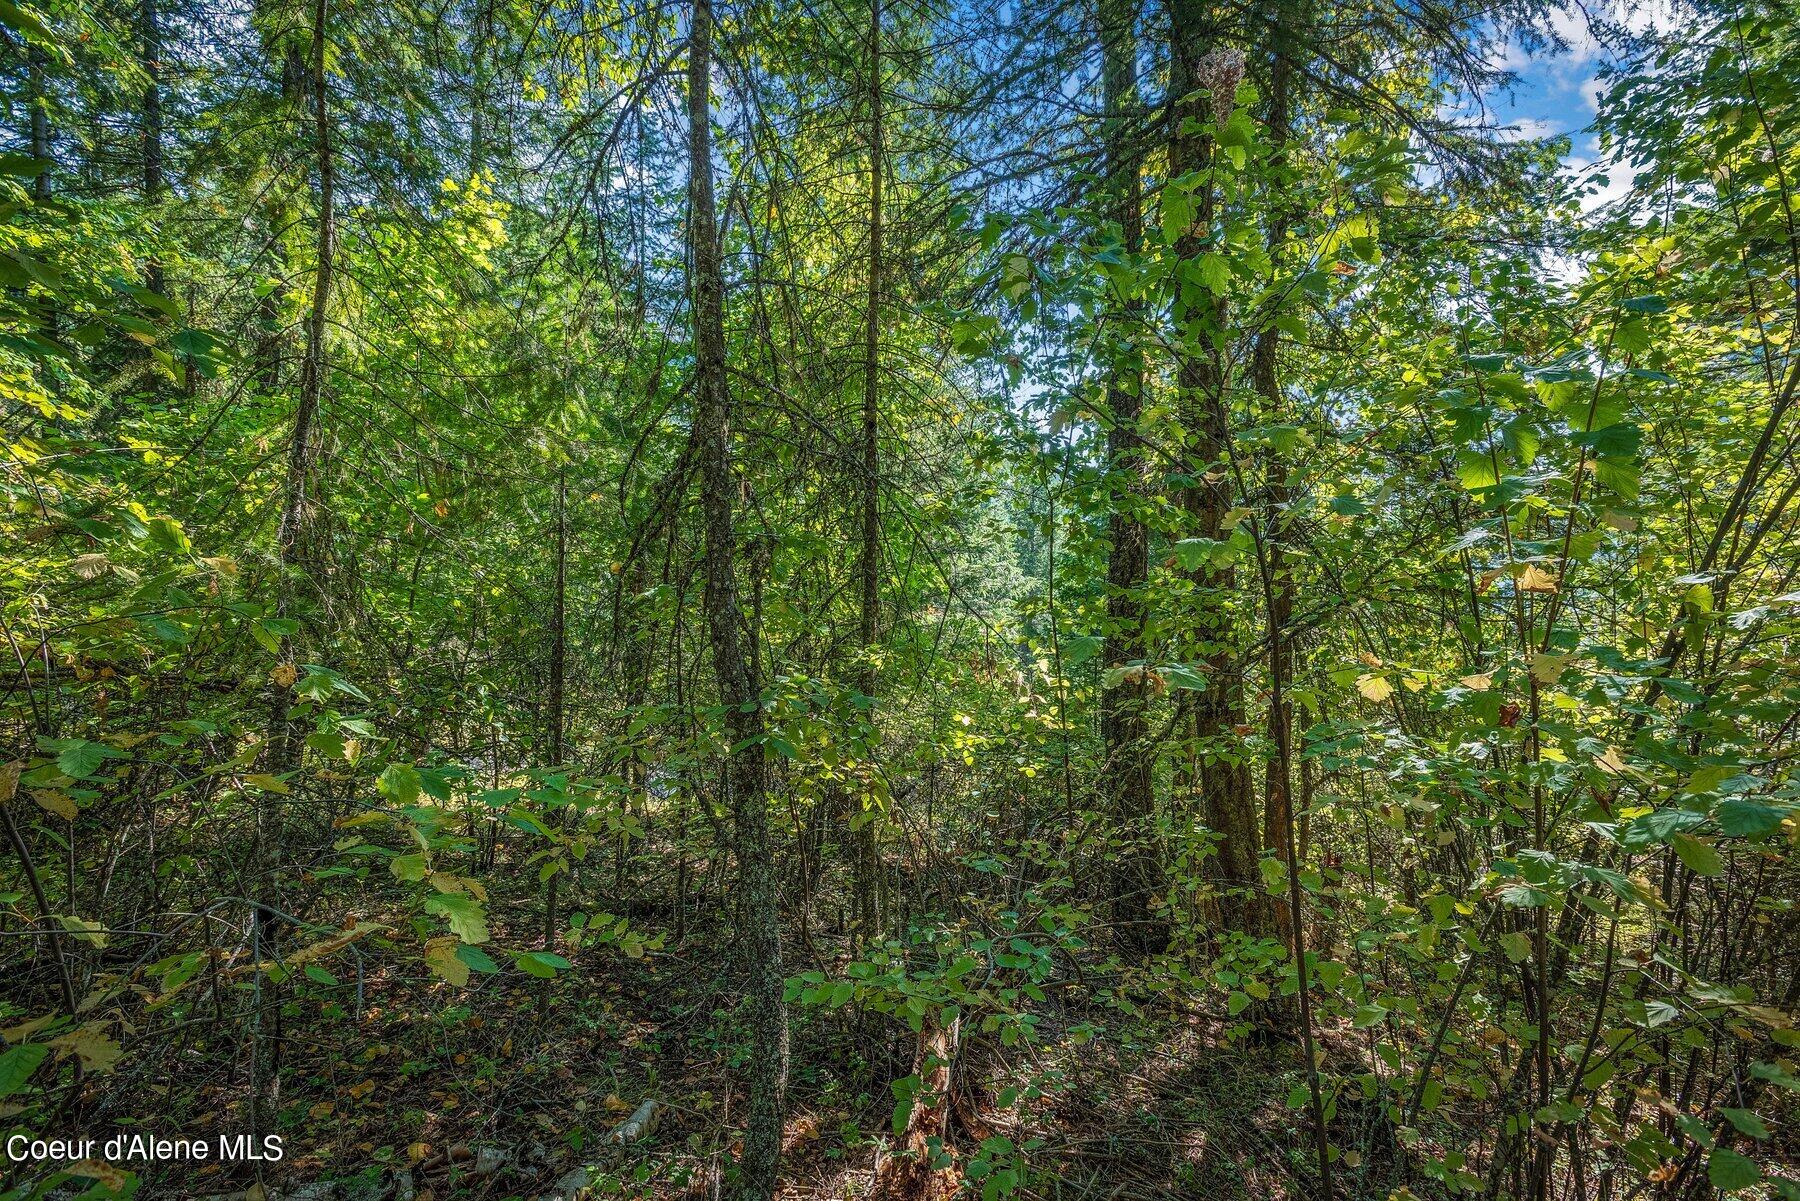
[496, 1097]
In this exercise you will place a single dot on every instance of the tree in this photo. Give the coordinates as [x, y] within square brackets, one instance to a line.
[740, 692]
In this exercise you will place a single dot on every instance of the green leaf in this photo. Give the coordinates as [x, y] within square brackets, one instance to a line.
[1620, 475]
[1658, 827]
[1741, 818]
[1746, 1122]
[1699, 856]
[167, 533]
[1193, 553]
[78, 758]
[399, 783]
[1517, 945]
[1475, 468]
[464, 915]
[14, 17]
[1177, 210]
[17, 1065]
[22, 166]
[1730, 1171]
[1214, 274]
[477, 958]
[1181, 677]
[542, 964]
[1081, 648]
[409, 867]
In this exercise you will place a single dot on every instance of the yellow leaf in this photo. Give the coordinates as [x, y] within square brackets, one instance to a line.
[1535, 579]
[97, 1052]
[1609, 761]
[322, 1110]
[440, 957]
[1547, 666]
[1374, 687]
[1478, 683]
[9, 780]
[24, 1030]
[268, 783]
[359, 1091]
[323, 947]
[99, 1169]
[55, 802]
[92, 933]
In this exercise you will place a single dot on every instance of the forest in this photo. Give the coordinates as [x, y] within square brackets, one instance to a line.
[1086, 600]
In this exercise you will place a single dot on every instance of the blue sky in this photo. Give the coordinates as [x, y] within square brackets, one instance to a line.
[1559, 92]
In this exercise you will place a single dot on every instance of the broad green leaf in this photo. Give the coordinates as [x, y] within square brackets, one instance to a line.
[17, 1064]
[1699, 856]
[1728, 1170]
[464, 915]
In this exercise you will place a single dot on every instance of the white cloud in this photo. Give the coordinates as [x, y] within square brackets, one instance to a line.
[1573, 23]
[1526, 129]
[1618, 174]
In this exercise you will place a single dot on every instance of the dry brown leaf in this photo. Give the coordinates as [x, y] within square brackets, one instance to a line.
[97, 1052]
[1536, 579]
[54, 801]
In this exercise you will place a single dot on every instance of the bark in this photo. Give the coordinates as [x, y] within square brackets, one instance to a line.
[295, 543]
[758, 922]
[151, 20]
[1277, 602]
[558, 676]
[862, 838]
[35, 62]
[294, 540]
[1124, 724]
[1228, 805]
[1278, 815]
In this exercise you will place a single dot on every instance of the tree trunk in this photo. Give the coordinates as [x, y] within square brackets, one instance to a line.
[558, 675]
[862, 837]
[1124, 724]
[294, 540]
[296, 550]
[151, 21]
[1278, 814]
[35, 62]
[759, 930]
[1228, 805]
